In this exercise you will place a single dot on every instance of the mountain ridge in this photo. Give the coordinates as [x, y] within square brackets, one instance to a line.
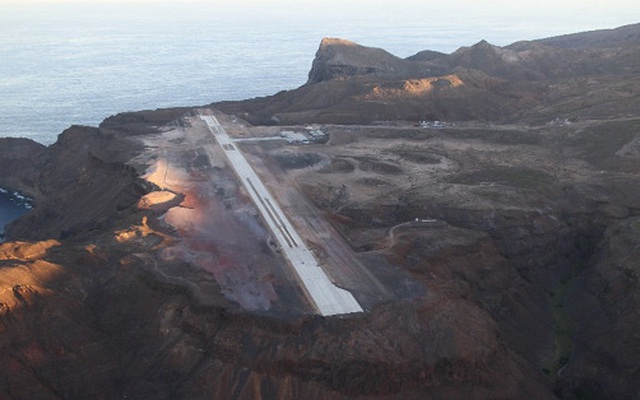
[510, 79]
[621, 36]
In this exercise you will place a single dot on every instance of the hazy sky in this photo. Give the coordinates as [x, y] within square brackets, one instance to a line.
[599, 13]
[619, 11]
[619, 6]
[511, 4]
[368, 22]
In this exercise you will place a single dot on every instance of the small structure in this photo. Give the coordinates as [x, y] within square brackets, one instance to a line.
[433, 124]
[294, 137]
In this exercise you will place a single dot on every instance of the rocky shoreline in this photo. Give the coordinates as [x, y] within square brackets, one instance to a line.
[12, 206]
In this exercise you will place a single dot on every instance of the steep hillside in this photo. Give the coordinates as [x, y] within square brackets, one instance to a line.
[339, 58]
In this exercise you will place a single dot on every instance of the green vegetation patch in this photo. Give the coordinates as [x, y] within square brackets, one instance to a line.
[525, 178]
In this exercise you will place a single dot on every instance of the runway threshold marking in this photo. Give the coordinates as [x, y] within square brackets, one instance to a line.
[327, 298]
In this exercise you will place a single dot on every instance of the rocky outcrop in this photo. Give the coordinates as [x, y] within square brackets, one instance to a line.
[80, 183]
[339, 58]
[17, 169]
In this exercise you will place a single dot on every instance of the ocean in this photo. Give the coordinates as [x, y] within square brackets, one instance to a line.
[77, 62]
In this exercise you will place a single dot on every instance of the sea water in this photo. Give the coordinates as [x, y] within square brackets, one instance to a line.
[77, 62]
[12, 205]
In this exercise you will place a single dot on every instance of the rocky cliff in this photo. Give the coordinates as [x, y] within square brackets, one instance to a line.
[339, 58]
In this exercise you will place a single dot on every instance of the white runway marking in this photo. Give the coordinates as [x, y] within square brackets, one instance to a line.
[327, 298]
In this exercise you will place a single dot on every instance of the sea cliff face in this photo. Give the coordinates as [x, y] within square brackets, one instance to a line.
[498, 242]
[12, 205]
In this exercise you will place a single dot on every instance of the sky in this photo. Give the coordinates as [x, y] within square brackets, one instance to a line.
[548, 17]
[506, 4]
[622, 6]
[596, 13]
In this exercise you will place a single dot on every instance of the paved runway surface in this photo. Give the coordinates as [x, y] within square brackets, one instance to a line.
[327, 298]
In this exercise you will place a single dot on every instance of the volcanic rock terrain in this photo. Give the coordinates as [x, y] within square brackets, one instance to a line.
[483, 207]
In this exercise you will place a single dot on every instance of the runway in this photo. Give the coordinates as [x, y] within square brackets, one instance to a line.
[327, 298]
